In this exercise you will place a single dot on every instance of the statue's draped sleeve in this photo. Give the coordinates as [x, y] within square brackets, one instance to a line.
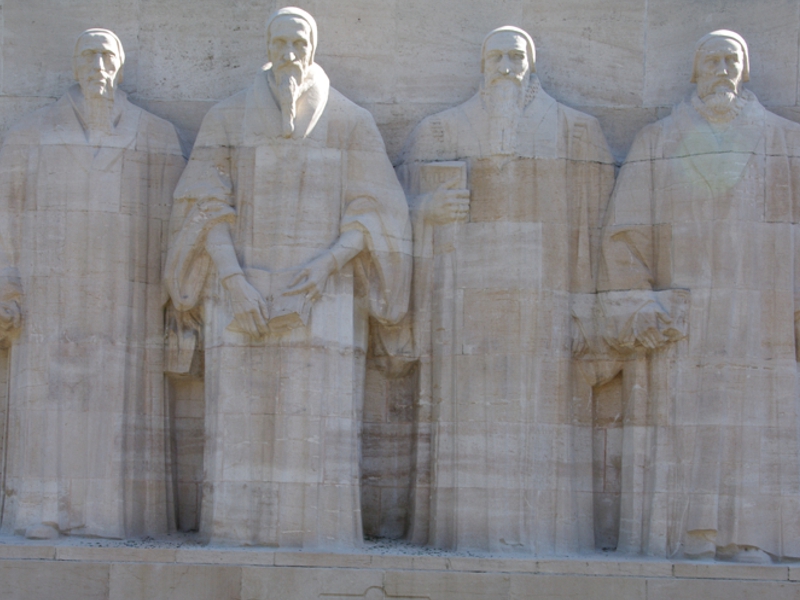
[203, 198]
[375, 205]
[14, 161]
[627, 267]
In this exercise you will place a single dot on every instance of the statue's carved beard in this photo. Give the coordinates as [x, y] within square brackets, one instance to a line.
[98, 104]
[504, 99]
[291, 83]
[719, 102]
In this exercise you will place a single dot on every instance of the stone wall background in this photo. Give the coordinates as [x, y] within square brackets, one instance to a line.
[624, 61]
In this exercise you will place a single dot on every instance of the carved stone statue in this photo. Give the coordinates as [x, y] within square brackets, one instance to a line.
[507, 192]
[85, 193]
[290, 230]
[708, 201]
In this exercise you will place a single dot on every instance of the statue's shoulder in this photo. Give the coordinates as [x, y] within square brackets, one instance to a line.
[230, 109]
[158, 133]
[342, 108]
[28, 127]
[238, 100]
[455, 116]
[780, 122]
[435, 137]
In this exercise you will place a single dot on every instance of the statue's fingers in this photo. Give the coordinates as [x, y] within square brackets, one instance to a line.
[315, 294]
[300, 277]
[264, 310]
[646, 339]
[258, 325]
[301, 288]
[262, 325]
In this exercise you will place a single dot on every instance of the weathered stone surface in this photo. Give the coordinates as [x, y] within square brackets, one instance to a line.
[46, 580]
[174, 582]
[507, 193]
[699, 249]
[598, 439]
[289, 233]
[86, 191]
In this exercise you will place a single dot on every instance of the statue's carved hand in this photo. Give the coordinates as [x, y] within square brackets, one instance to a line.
[250, 310]
[446, 205]
[10, 307]
[10, 316]
[646, 329]
[312, 278]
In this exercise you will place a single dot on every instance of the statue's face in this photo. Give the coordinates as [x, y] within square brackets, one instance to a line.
[97, 64]
[289, 45]
[719, 67]
[505, 57]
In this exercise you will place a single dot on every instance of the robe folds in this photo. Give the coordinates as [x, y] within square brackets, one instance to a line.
[84, 236]
[503, 450]
[283, 411]
[711, 440]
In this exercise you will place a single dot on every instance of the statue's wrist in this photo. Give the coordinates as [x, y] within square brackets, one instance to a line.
[232, 279]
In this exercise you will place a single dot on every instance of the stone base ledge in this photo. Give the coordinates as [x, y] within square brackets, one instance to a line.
[100, 570]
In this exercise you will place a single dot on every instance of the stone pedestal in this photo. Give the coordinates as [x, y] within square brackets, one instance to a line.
[175, 571]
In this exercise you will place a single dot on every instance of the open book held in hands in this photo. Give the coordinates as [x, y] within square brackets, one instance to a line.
[285, 311]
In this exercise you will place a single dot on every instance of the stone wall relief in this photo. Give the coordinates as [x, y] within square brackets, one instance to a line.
[291, 231]
[85, 194]
[593, 370]
[710, 458]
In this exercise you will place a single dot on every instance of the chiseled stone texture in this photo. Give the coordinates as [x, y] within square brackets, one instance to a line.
[290, 234]
[130, 573]
[174, 582]
[86, 184]
[625, 62]
[28, 579]
[705, 209]
[507, 192]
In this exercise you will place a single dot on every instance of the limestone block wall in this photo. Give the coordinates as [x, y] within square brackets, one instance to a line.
[624, 61]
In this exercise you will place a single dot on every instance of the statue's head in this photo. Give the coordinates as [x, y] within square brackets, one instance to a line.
[97, 62]
[291, 42]
[721, 64]
[508, 54]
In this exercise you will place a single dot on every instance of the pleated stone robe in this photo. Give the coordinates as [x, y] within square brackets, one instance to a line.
[503, 454]
[84, 234]
[714, 447]
[283, 412]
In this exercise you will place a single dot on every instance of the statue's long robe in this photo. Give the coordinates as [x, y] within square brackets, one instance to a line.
[84, 229]
[283, 412]
[714, 445]
[506, 462]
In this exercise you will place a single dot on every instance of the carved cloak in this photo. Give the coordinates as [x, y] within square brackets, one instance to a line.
[283, 412]
[712, 441]
[84, 231]
[503, 451]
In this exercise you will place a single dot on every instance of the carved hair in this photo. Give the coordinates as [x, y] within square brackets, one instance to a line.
[727, 35]
[517, 31]
[110, 34]
[296, 13]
